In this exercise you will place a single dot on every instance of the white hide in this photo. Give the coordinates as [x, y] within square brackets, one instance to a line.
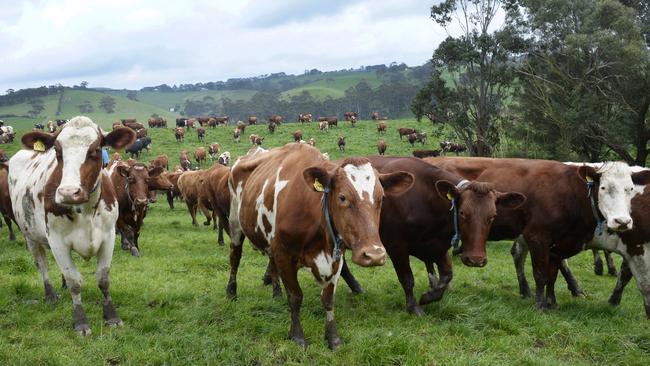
[263, 211]
[363, 179]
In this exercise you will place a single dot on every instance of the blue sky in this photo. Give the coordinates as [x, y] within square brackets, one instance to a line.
[135, 43]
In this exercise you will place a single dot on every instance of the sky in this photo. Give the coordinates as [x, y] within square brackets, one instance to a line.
[136, 43]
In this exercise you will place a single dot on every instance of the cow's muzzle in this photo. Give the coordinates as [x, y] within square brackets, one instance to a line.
[71, 195]
[374, 255]
[620, 224]
[474, 260]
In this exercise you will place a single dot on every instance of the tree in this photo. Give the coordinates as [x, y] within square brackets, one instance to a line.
[83, 85]
[37, 107]
[86, 107]
[479, 64]
[107, 103]
[132, 95]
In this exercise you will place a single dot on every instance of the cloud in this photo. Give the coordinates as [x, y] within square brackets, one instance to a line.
[126, 43]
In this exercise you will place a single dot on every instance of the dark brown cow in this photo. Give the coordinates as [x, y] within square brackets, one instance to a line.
[189, 186]
[341, 143]
[157, 122]
[374, 116]
[382, 127]
[161, 161]
[132, 185]
[275, 193]
[222, 120]
[426, 153]
[199, 155]
[271, 126]
[297, 135]
[212, 122]
[420, 223]
[200, 132]
[179, 133]
[203, 121]
[331, 120]
[252, 120]
[381, 147]
[276, 119]
[405, 131]
[184, 158]
[557, 218]
[213, 150]
[174, 192]
[5, 199]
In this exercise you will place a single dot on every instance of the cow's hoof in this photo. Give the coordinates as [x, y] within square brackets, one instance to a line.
[52, 298]
[135, 252]
[231, 290]
[83, 329]
[277, 292]
[615, 299]
[598, 268]
[524, 291]
[334, 343]
[115, 322]
[357, 290]
[12, 237]
[221, 243]
[299, 340]
[416, 310]
[267, 279]
[612, 272]
[125, 246]
[206, 223]
[431, 296]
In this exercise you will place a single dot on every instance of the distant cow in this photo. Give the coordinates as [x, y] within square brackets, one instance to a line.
[51, 127]
[374, 116]
[456, 148]
[382, 127]
[304, 117]
[256, 140]
[140, 133]
[252, 120]
[39, 126]
[199, 155]
[381, 147]
[236, 135]
[64, 200]
[331, 120]
[157, 122]
[200, 132]
[179, 133]
[191, 123]
[181, 122]
[224, 158]
[213, 150]
[353, 121]
[184, 159]
[349, 115]
[341, 143]
[203, 121]
[405, 131]
[241, 126]
[161, 161]
[297, 135]
[5, 200]
[276, 118]
[426, 153]
[323, 126]
[222, 120]
[135, 149]
[61, 122]
[272, 127]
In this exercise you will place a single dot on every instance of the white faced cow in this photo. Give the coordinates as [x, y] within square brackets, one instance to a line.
[63, 199]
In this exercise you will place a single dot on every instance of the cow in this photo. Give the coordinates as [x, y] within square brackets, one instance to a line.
[276, 119]
[332, 121]
[174, 192]
[200, 132]
[135, 126]
[190, 123]
[161, 161]
[63, 200]
[222, 120]
[381, 147]
[412, 137]
[181, 122]
[189, 186]
[420, 223]
[179, 133]
[61, 122]
[212, 122]
[156, 122]
[241, 126]
[184, 158]
[297, 135]
[132, 186]
[311, 141]
[456, 148]
[273, 193]
[128, 120]
[271, 126]
[138, 145]
[375, 116]
[140, 133]
[203, 121]
[323, 126]
[224, 158]
[304, 117]
[252, 120]
[51, 127]
[563, 209]
[39, 126]
[215, 197]
[405, 131]
[199, 155]
[236, 135]
[350, 115]
[5, 200]
[426, 153]
[213, 150]
[341, 143]
[256, 140]
[117, 125]
[353, 121]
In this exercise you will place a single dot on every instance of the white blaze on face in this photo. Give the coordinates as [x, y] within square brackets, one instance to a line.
[363, 179]
[615, 193]
[263, 212]
[74, 140]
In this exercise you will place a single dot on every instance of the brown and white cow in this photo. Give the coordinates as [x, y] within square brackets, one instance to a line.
[213, 150]
[420, 222]
[323, 126]
[297, 135]
[51, 127]
[179, 133]
[241, 126]
[557, 218]
[63, 200]
[252, 120]
[298, 207]
[200, 132]
[277, 119]
[224, 158]
[5, 200]
[184, 159]
[304, 117]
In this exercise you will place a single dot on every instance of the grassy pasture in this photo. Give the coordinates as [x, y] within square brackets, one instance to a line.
[173, 302]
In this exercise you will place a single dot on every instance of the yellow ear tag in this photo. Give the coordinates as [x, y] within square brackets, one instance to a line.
[450, 196]
[39, 146]
[589, 179]
[318, 186]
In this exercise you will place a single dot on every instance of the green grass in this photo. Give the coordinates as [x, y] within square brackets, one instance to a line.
[173, 302]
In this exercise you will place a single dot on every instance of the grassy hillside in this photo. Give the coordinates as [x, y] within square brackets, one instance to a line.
[175, 311]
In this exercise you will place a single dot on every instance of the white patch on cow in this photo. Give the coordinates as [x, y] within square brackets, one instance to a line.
[324, 263]
[235, 208]
[75, 139]
[329, 315]
[363, 179]
[263, 211]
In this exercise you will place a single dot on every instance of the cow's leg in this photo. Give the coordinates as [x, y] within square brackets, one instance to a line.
[598, 262]
[572, 283]
[63, 283]
[446, 274]
[73, 279]
[104, 259]
[12, 236]
[431, 271]
[624, 276]
[40, 259]
[539, 255]
[170, 199]
[275, 282]
[611, 267]
[288, 272]
[327, 300]
[349, 278]
[553, 267]
[519, 252]
[402, 267]
[192, 209]
[207, 213]
[235, 258]
[222, 222]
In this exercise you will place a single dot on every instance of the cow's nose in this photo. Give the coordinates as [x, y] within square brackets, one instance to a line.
[72, 195]
[375, 256]
[141, 201]
[623, 223]
[474, 260]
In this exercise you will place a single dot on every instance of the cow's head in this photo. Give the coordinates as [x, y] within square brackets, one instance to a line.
[613, 185]
[78, 149]
[140, 180]
[356, 193]
[3, 156]
[477, 208]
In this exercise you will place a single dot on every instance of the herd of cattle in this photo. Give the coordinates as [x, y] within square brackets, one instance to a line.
[303, 210]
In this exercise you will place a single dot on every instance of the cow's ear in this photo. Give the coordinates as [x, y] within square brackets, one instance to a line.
[317, 178]
[588, 173]
[38, 140]
[123, 170]
[396, 182]
[641, 178]
[510, 200]
[447, 190]
[119, 138]
[155, 171]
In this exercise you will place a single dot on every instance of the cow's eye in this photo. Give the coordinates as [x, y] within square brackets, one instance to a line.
[602, 188]
[131, 179]
[342, 198]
